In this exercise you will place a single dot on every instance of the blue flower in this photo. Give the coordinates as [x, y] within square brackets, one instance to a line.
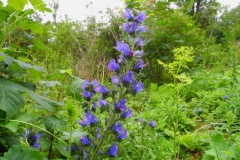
[117, 128]
[87, 95]
[85, 155]
[89, 87]
[121, 60]
[139, 65]
[141, 17]
[152, 124]
[103, 90]
[89, 119]
[137, 87]
[130, 28]
[121, 106]
[114, 80]
[127, 79]
[85, 141]
[141, 29]
[140, 120]
[113, 66]
[138, 53]
[122, 134]
[36, 145]
[138, 42]
[112, 150]
[127, 114]
[36, 137]
[94, 106]
[102, 103]
[128, 15]
[123, 48]
[85, 85]
[225, 97]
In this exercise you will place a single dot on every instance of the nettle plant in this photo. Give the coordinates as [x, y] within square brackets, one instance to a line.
[106, 108]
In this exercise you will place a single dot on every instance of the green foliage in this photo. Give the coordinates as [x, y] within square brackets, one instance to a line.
[18, 152]
[220, 149]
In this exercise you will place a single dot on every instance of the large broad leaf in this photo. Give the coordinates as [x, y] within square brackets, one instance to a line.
[53, 122]
[11, 98]
[19, 4]
[217, 149]
[74, 89]
[38, 4]
[19, 153]
[22, 65]
[13, 125]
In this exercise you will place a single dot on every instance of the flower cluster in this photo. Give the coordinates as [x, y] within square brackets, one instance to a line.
[112, 102]
[30, 138]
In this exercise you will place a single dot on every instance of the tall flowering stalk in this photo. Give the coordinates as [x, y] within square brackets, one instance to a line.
[106, 108]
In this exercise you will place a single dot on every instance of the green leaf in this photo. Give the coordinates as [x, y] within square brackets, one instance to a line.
[12, 125]
[49, 84]
[2, 58]
[19, 4]
[24, 66]
[17, 152]
[38, 4]
[74, 89]
[53, 122]
[76, 134]
[11, 98]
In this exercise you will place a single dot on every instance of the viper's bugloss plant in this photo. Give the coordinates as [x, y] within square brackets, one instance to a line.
[106, 107]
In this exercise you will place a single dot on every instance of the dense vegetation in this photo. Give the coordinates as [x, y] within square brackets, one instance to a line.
[156, 82]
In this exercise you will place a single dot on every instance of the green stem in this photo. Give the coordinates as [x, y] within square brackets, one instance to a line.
[70, 140]
[98, 146]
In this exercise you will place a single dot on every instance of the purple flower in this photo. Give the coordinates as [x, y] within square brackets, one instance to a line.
[85, 85]
[126, 79]
[122, 134]
[89, 87]
[139, 65]
[112, 150]
[140, 120]
[85, 155]
[113, 66]
[89, 119]
[138, 42]
[141, 29]
[99, 136]
[120, 60]
[102, 103]
[36, 145]
[130, 28]
[128, 15]
[87, 95]
[152, 124]
[141, 17]
[127, 114]
[117, 128]
[225, 97]
[94, 106]
[121, 106]
[85, 141]
[123, 48]
[137, 87]
[138, 53]
[114, 80]
[103, 90]
[36, 137]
